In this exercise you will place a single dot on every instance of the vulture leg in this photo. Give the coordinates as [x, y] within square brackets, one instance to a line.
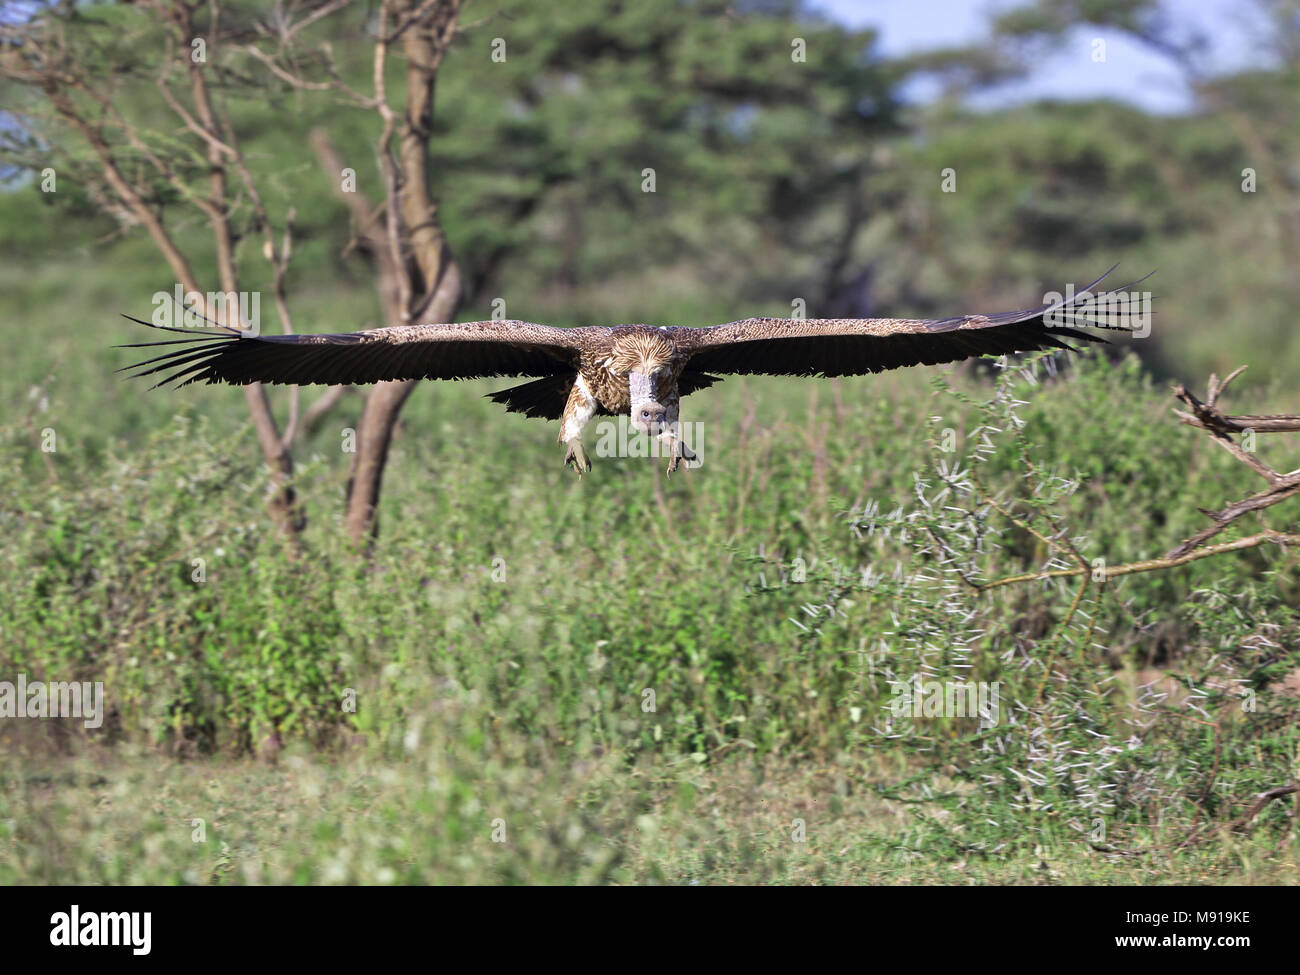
[579, 409]
[671, 435]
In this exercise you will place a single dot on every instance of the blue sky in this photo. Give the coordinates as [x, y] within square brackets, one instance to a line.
[1130, 73]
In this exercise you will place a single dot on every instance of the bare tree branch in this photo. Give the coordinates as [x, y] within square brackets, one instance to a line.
[1220, 427]
[426, 276]
[139, 170]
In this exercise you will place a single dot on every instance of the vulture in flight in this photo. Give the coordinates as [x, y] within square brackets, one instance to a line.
[640, 370]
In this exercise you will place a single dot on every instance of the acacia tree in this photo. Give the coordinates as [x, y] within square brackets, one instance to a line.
[1257, 110]
[79, 72]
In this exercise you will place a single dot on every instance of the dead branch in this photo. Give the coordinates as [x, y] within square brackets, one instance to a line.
[1207, 416]
[1221, 427]
[1242, 823]
[1227, 515]
[1239, 825]
[1262, 800]
[1168, 562]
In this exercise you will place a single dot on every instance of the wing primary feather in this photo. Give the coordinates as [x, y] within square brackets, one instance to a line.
[225, 329]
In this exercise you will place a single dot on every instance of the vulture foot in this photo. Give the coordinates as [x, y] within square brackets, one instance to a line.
[681, 452]
[576, 456]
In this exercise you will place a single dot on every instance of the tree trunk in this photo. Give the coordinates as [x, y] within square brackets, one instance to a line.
[428, 277]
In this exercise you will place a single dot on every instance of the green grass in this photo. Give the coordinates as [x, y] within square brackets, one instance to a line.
[431, 817]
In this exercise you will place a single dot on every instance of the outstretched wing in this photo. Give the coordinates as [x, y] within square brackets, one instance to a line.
[465, 351]
[853, 347]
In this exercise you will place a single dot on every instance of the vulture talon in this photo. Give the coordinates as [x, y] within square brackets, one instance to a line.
[576, 456]
[681, 452]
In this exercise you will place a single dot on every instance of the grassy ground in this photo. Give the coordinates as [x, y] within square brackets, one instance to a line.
[130, 818]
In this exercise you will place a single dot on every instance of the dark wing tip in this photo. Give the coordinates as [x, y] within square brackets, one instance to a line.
[190, 362]
[212, 329]
[1082, 308]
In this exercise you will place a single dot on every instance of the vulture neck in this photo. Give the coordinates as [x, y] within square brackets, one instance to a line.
[641, 388]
